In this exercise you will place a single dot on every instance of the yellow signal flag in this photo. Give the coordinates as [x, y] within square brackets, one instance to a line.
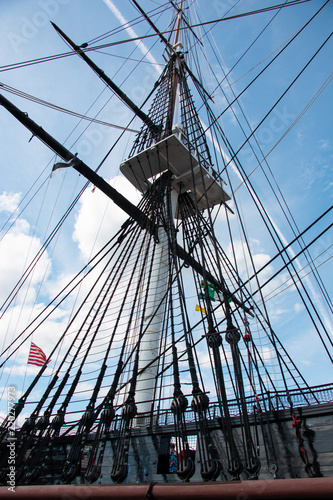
[200, 309]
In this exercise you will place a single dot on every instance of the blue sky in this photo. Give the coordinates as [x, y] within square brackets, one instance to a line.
[301, 163]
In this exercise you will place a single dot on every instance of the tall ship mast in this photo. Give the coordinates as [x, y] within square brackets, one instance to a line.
[165, 365]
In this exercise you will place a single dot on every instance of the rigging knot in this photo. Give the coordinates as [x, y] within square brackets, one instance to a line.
[58, 421]
[273, 470]
[214, 339]
[247, 337]
[88, 418]
[186, 467]
[200, 401]
[210, 470]
[179, 405]
[93, 474]
[233, 335]
[33, 474]
[129, 411]
[119, 473]
[28, 424]
[149, 493]
[70, 471]
[108, 415]
[43, 422]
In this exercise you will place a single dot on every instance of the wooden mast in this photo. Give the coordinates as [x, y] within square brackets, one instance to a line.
[175, 77]
[157, 294]
[180, 13]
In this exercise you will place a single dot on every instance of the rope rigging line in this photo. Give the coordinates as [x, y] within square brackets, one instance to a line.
[103, 46]
[32, 98]
[89, 267]
[268, 221]
[295, 257]
[27, 203]
[205, 35]
[75, 380]
[316, 274]
[190, 233]
[133, 22]
[300, 115]
[291, 284]
[262, 71]
[292, 242]
[132, 353]
[225, 260]
[47, 242]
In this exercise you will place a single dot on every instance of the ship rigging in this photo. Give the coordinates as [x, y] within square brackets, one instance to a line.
[134, 373]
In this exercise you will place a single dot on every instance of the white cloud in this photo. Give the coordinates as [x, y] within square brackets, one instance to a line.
[244, 265]
[267, 353]
[298, 307]
[16, 319]
[16, 252]
[9, 201]
[23, 370]
[99, 218]
[83, 390]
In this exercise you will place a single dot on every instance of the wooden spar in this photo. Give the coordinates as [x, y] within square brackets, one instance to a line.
[187, 24]
[174, 84]
[145, 118]
[297, 489]
[170, 47]
[77, 164]
[164, 40]
[180, 12]
[140, 217]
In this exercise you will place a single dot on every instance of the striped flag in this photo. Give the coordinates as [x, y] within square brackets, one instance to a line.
[36, 356]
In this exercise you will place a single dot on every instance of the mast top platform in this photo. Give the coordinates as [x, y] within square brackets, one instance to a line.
[192, 174]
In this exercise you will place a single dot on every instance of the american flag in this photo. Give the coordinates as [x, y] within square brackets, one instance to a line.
[36, 356]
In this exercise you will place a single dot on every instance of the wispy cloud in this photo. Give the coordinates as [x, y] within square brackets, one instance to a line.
[132, 33]
[324, 144]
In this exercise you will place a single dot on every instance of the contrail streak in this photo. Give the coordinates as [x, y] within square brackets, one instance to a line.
[132, 33]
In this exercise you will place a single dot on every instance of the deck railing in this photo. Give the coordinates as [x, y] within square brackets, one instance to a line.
[271, 401]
